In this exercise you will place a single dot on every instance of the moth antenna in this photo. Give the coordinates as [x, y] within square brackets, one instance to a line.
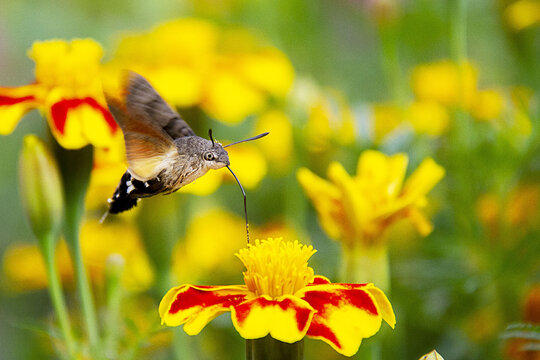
[211, 137]
[103, 217]
[249, 139]
[245, 202]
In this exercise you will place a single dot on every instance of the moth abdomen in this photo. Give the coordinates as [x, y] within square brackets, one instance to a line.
[130, 190]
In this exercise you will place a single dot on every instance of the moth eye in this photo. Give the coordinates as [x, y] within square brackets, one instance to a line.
[209, 156]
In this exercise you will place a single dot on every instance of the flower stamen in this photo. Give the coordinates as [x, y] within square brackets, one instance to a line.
[275, 267]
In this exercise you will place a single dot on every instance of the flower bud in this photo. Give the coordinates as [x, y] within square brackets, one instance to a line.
[434, 355]
[41, 187]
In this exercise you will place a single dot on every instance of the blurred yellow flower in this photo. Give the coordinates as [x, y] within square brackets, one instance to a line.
[229, 73]
[230, 99]
[248, 163]
[330, 121]
[201, 238]
[25, 270]
[98, 241]
[68, 90]
[522, 14]
[518, 209]
[446, 83]
[386, 118]
[278, 149]
[205, 185]
[273, 229]
[488, 105]
[215, 233]
[429, 118]
[358, 210]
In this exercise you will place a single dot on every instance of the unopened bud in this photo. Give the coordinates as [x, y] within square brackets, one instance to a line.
[434, 355]
[41, 187]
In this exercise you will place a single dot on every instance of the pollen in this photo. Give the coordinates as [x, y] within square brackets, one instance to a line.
[275, 267]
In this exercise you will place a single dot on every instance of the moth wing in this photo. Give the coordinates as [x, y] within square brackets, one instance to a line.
[148, 147]
[143, 101]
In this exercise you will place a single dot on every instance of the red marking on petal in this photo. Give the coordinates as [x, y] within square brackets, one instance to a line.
[6, 100]
[193, 297]
[60, 110]
[322, 331]
[320, 280]
[302, 318]
[355, 297]
[242, 311]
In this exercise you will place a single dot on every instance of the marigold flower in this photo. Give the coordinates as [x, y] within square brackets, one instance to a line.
[68, 90]
[283, 298]
[361, 208]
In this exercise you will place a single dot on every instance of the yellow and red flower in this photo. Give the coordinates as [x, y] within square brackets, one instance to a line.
[359, 209]
[68, 90]
[284, 299]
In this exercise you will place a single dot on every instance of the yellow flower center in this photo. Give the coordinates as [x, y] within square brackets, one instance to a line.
[275, 267]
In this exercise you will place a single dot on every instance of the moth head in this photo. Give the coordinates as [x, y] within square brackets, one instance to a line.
[214, 155]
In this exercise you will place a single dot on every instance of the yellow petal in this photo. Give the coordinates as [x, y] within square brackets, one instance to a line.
[325, 198]
[424, 178]
[14, 103]
[286, 319]
[422, 224]
[355, 205]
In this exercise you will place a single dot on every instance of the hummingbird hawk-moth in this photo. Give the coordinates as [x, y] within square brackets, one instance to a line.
[163, 152]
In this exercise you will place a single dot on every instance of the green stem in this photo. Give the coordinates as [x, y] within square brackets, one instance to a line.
[114, 294]
[71, 234]
[458, 40]
[55, 292]
[366, 264]
[388, 33]
[268, 348]
[75, 167]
